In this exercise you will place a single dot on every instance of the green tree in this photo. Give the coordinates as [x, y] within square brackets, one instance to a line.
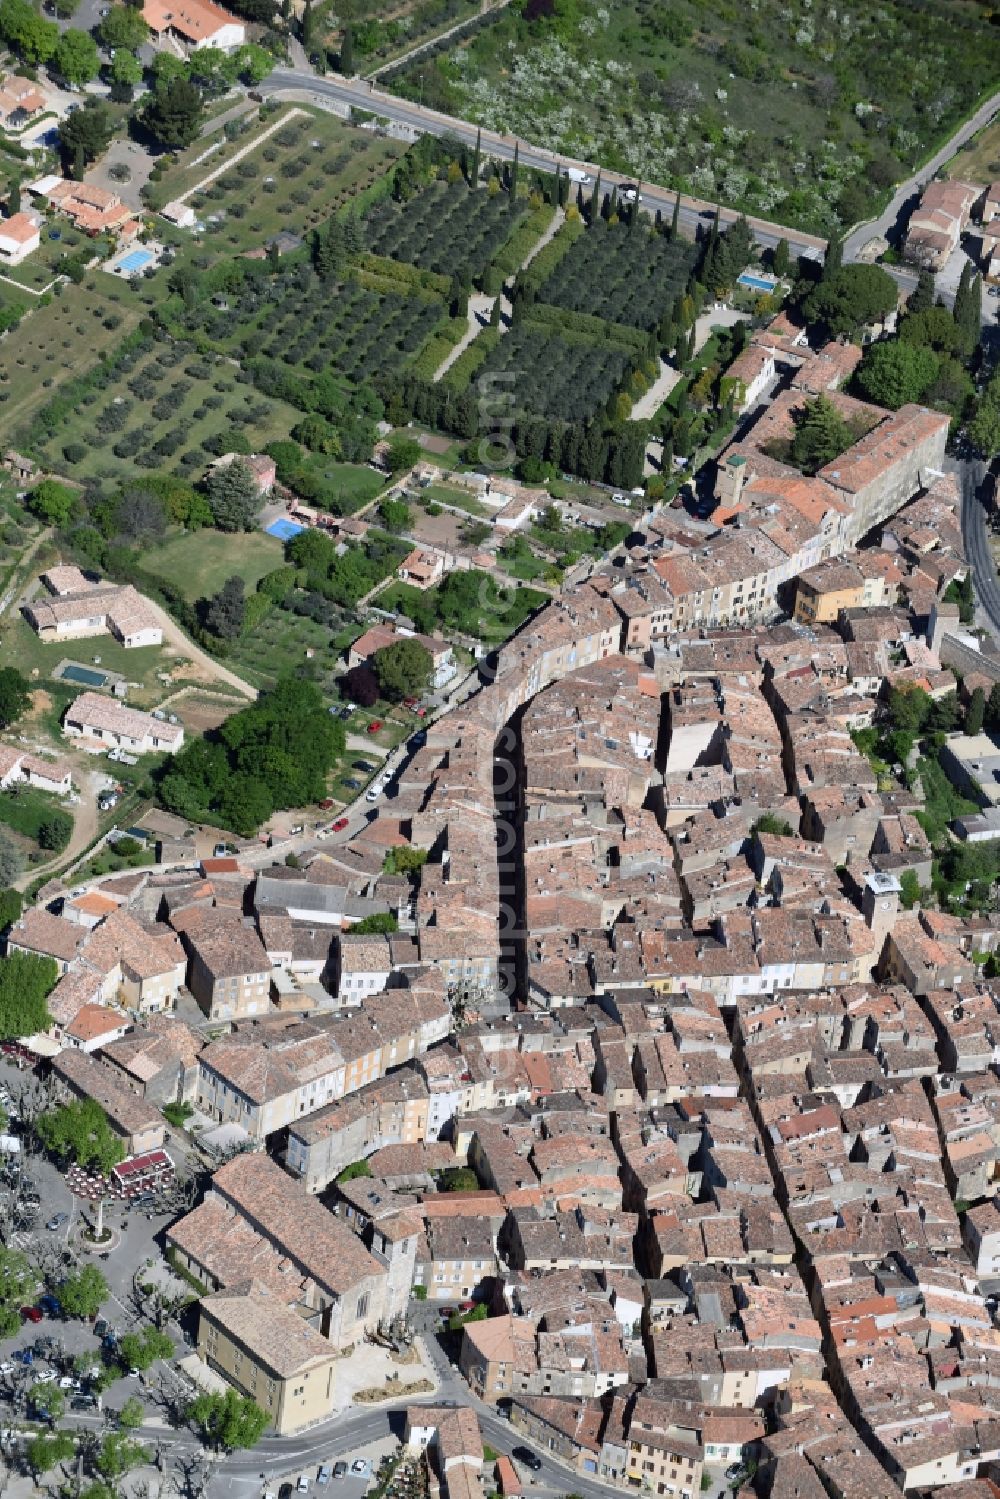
[85, 135]
[83, 1292]
[18, 1280]
[976, 711]
[894, 373]
[781, 258]
[54, 503]
[125, 67]
[404, 860]
[403, 452]
[922, 297]
[821, 434]
[458, 1179]
[123, 28]
[27, 32]
[79, 1131]
[11, 865]
[119, 1454]
[15, 696]
[850, 298]
[771, 823]
[174, 114]
[908, 708]
[984, 429]
[14, 198]
[233, 496]
[675, 216]
[403, 669]
[47, 1401]
[225, 611]
[141, 1350]
[55, 830]
[227, 1422]
[968, 309]
[26, 981]
[347, 53]
[76, 57]
[11, 902]
[132, 1414]
[45, 1451]
[395, 515]
[382, 923]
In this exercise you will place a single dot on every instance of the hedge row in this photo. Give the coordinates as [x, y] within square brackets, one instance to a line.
[406, 277]
[547, 259]
[437, 348]
[470, 361]
[523, 240]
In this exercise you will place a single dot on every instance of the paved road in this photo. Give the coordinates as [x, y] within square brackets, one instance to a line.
[971, 474]
[694, 211]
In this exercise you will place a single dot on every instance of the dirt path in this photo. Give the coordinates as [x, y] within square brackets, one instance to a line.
[480, 308]
[19, 584]
[231, 161]
[85, 830]
[173, 633]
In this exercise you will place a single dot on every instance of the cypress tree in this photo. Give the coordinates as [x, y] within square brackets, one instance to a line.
[557, 187]
[923, 294]
[675, 218]
[613, 201]
[976, 712]
[595, 200]
[474, 174]
[14, 198]
[513, 178]
[347, 53]
[714, 236]
[635, 206]
[495, 313]
[834, 257]
[307, 25]
[781, 259]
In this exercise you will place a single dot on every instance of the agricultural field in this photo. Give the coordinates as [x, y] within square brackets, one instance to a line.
[292, 180]
[799, 112]
[559, 375]
[447, 228]
[620, 274]
[168, 408]
[56, 339]
[304, 322]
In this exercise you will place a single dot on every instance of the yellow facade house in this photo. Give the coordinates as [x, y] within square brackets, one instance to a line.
[260, 1345]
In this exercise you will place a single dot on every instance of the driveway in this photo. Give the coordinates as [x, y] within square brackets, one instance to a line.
[173, 633]
[128, 156]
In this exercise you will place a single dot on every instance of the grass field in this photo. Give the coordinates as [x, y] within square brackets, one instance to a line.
[168, 410]
[293, 180]
[56, 341]
[199, 563]
[979, 159]
[781, 110]
[59, 241]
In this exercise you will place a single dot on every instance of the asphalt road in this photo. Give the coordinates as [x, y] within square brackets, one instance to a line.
[358, 93]
[971, 474]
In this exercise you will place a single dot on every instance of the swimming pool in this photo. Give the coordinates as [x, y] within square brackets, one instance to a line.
[84, 675]
[284, 529]
[756, 283]
[136, 260]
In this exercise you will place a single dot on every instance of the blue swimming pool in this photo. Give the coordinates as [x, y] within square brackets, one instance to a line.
[84, 675]
[757, 283]
[284, 529]
[136, 260]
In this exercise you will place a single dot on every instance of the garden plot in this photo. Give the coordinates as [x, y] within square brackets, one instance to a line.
[624, 275]
[448, 228]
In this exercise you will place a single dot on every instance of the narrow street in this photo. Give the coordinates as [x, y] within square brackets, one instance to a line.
[971, 475]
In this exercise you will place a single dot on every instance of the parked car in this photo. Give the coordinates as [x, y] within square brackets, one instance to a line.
[364, 765]
[361, 1465]
[410, 702]
[83, 1402]
[339, 825]
[50, 1306]
[528, 1458]
[45, 1377]
[56, 1221]
[323, 1477]
[375, 725]
[6, 1367]
[303, 1484]
[68, 1383]
[374, 791]
[31, 1314]
[340, 1470]
[353, 785]
[326, 804]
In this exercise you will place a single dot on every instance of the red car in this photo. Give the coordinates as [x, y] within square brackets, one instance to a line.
[409, 702]
[374, 726]
[326, 804]
[339, 825]
[31, 1314]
